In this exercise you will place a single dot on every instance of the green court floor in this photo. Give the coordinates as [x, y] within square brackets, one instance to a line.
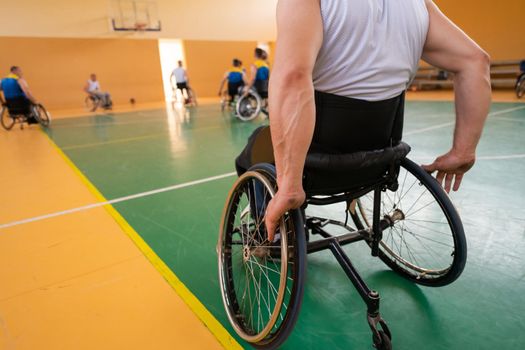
[130, 153]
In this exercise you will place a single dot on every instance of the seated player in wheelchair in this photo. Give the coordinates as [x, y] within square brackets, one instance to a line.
[95, 95]
[336, 115]
[236, 78]
[18, 97]
[260, 75]
[343, 97]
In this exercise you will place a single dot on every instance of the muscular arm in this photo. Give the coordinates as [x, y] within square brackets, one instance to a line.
[292, 107]
[449, 48]
[86, 88]
[25, 89]
[253, 74]
[222, 83]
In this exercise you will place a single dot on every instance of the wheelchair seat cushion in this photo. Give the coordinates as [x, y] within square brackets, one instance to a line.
[327, 174]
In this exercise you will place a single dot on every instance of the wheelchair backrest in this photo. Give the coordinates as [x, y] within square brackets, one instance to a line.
[18, 107]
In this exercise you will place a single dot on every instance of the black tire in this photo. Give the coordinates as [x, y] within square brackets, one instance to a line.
[520, 86]
[192, 97]
[430, 229]
[41, 115]
[7, 121]
[248, 263]
[248, 106]
[92, 103]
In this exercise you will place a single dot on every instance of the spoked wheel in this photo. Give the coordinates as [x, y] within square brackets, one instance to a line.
[520, 86]
[41, 115]
[92, 103]
[192, 98]
[225, 102]
[7, 121]
[248, 107]
[261, 282]
[426, 243]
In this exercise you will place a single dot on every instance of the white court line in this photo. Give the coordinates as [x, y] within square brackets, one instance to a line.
[116, 200]
[213, 178]
[444, 125]
[504, 111]
[510, 156]
[503, 157]
[438, 126]
[102, 124]
[510, 119]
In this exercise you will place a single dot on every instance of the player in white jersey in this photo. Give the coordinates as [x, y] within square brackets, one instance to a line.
[92, 88]
[182, 83]
[345, 65]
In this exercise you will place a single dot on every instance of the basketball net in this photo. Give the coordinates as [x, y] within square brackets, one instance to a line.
[140, 27]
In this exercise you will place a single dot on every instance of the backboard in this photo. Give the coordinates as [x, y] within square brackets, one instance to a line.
[134, 15]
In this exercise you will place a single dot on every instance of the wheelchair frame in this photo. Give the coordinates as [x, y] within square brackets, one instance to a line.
[8, 120]
[245, 109]
[520, 86]
[93, 102]
[373, 235]
[190, 100]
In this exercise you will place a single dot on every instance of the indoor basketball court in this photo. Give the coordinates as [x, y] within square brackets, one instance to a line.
[113, 200]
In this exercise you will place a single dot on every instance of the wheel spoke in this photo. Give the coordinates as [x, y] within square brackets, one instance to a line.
[422, 244]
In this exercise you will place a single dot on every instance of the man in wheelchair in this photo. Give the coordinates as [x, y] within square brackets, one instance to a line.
[344, 96]
[18, 96]
[236, 78]
[98, 97]
[336, 103]
[260, 75]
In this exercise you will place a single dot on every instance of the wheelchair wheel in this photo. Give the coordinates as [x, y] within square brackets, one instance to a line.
[520, 86]
[41, 115]
[261, 282]
[427, 243]
[91, 103]
[248, 107]
[7, 121]
[192, 97]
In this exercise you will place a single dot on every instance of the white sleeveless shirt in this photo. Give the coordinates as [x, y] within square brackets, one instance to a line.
[93, 85]
[371, 48]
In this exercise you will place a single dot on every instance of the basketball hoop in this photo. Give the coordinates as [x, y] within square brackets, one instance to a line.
[140, 27]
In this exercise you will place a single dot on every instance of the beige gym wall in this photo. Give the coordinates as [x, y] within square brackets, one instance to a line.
[57, 69]
[497, 26]
[186, 19]
[207, 61]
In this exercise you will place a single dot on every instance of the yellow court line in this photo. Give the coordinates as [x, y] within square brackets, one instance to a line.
[129, 139]
[216, 328]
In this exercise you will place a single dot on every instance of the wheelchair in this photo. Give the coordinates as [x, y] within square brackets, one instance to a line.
[189, 100]
[520, 86]
[520, 81]
[249, 106]
[93, 102]
[231, 104]
[400, 212]
[11, 115]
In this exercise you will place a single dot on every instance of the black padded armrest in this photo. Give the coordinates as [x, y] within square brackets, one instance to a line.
[357, 160]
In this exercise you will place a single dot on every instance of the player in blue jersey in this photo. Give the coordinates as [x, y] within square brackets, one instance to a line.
[236, 78]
